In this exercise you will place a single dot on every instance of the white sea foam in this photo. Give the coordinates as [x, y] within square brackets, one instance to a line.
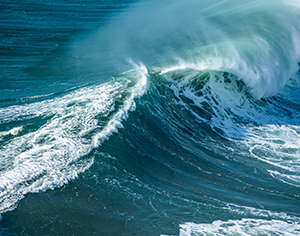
[241, 227]
[225, 100]
[278, 146]
[14, 131]
[267, 131]
[53, 153]
[253, 222]
[129, 104]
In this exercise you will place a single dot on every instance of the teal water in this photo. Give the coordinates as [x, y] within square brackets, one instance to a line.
[149, 118]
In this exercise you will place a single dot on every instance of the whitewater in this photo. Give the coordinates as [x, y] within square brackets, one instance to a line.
[150, 117]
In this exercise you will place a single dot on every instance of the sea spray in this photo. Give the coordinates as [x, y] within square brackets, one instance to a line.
[235, 37]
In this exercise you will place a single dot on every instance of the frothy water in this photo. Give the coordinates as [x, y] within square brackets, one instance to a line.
[241, 227]
[37, 158]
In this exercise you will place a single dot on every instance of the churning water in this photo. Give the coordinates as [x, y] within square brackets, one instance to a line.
[150, 117]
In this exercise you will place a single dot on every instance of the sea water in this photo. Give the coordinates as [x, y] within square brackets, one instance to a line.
[150, 117]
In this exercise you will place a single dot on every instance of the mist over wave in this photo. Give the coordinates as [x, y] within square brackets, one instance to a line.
[255, 40]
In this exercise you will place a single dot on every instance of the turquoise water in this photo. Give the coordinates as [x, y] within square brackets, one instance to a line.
[149, 118]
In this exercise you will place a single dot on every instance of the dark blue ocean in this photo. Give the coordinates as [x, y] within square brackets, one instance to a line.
[149, 117]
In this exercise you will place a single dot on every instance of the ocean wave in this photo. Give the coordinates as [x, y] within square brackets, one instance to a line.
[210, 117]
[219, 105]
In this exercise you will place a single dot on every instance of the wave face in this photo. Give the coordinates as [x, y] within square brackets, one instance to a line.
[159, 117]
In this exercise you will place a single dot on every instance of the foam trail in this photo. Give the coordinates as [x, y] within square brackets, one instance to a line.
[278, 146]
[138, 91]
[49, 156]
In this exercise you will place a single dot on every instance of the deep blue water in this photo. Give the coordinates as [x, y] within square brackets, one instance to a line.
[149, 117]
